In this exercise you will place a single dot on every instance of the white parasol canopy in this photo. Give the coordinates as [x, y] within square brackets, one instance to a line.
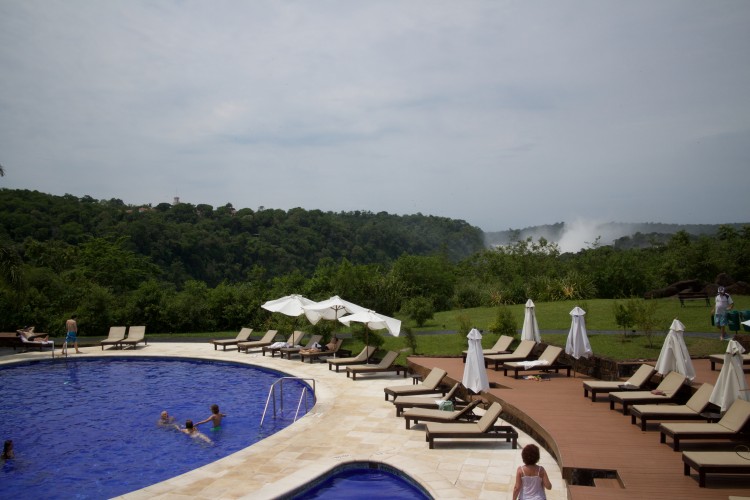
[674, 354]
[373, 321]
[291, 305]
[331, 309]
[577, 344]
[475, 374]
[530, 330]
[731, 383]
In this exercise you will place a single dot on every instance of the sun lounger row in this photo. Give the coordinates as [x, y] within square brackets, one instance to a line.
[119, 338]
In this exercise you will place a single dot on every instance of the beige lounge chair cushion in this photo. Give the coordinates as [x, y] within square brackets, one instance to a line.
[431, 382]
[548, 358]
[386, 362]
[266, 340]
[468, 428]
[522, 351]
[425, 400]
[638, 379]
[502, 344]
[669, 386]
[364, 355]
[696, 404]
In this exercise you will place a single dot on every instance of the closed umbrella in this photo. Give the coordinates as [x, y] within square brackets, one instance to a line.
[577, 345]
[530, 330]
[731, 383]
[373, 321]
[475, 374]
[674, 355]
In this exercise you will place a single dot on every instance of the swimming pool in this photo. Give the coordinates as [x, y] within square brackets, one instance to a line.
[86, 428]
[369, 480]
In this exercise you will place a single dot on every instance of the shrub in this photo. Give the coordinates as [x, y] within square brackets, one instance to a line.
[420, 309]
[504, 323]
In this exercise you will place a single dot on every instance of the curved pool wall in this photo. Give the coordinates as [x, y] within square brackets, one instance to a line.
[350, 421]
[404, 487]
[94, 421]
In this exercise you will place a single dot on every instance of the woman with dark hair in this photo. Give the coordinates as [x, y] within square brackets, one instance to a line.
[531, 479]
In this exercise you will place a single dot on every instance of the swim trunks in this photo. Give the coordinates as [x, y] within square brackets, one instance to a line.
[71, 337]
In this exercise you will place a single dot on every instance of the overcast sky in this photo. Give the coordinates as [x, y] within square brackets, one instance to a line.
[505, 114]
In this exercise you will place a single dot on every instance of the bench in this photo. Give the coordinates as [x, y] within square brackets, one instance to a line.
[683, 296]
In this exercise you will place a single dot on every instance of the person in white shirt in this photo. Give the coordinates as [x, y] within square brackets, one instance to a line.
[723, 304]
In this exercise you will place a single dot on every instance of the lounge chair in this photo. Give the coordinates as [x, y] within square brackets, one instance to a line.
[257, 344]
[385, 365]
[641, 376]
[546, 362]
[485, 428]
[719, 358]
[522, 352]
[430, 385]
[291, 351]
[665, 393]
[502, 346]
[417, 415]
[715, 462]
[136, 335]
[116, 335]
[294, 339]
[37, 345]
[403, 402]
[360, 358]
[315, 355]
[731, 426]
[689, 411]
[241, 337]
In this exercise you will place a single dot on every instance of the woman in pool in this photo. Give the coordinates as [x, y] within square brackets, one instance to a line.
[531, 479]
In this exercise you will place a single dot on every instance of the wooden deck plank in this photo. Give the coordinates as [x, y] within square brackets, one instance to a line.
[588, 435]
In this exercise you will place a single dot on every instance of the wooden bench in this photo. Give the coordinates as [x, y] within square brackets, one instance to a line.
[683, 296]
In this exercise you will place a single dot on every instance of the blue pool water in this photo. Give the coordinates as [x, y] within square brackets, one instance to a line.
[87, 428]
[361, 481]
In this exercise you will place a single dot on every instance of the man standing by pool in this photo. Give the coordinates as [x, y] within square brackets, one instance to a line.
[724, 303]
[71, 326]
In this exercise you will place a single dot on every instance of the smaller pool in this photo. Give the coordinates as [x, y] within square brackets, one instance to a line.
[363, 480]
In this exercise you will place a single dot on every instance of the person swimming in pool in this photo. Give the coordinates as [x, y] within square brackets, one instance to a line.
[215, 417]
[165, 419]
[193, 432]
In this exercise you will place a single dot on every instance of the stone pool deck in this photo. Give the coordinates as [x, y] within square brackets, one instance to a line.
[350, 422]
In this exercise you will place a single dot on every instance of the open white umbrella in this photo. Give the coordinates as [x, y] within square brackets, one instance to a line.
[674, 355]
[331, 309]
[475, 374]
[731, 383]
[373, 321]
[291, 305]
[530, 330]
[577, 345]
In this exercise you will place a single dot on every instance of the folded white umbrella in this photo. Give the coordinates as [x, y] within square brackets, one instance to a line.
[577, 344]
[731, 383]
[475, 374]
[530, 329]
[674, 355]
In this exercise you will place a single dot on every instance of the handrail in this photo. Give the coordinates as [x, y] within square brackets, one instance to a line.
[272, 392]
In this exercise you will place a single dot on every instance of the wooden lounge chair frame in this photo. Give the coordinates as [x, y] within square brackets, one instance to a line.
[361, 358]
[136, 335]
[522, 352]
[386, 365]
[417, 415]
[714, 462]
[242, 336]
[670, 386]
[502, 346]
[115, 336]
[314, 356]
[291, 351]
[294, 339]
[267, 339]
[689, 411]
[719, 358]
[640, 378]
[408, 401]
[430, 385]
[731, 426]
[485, 428]
[550, 355]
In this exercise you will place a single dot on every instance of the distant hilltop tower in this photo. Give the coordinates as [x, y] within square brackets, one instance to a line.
[176, 200]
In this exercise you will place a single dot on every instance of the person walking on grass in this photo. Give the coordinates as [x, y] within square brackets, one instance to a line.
[724, 304]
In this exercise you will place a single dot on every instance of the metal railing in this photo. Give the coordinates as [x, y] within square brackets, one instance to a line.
[280, 384]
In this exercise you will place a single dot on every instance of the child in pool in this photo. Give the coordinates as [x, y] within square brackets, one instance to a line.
[215, 417]
[193, 432]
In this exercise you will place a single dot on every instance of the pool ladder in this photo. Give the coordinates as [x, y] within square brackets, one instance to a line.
[280, 384]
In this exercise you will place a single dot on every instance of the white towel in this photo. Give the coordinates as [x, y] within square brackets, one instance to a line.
[532, 364]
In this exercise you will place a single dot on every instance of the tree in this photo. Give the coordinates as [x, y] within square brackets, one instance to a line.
[419, 309]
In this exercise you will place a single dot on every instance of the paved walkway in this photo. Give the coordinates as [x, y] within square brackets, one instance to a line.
[350, 422]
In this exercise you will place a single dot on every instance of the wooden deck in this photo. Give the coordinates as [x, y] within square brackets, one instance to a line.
[588, 435]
